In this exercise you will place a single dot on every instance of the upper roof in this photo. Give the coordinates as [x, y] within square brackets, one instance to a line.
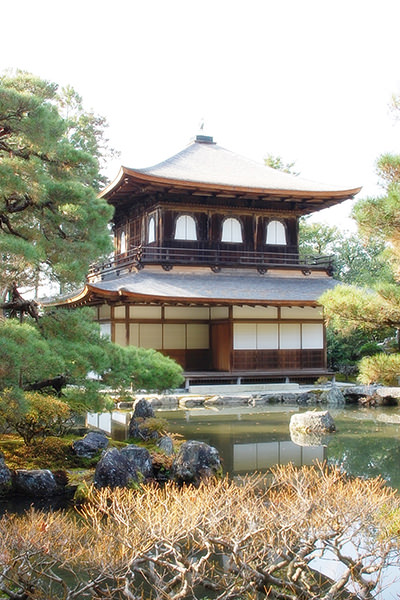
[203, 165]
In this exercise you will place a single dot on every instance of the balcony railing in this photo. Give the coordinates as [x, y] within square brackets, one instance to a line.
[215, 258]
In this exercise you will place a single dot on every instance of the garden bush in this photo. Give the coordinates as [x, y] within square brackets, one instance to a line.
[33, 415]
[381, 368]
[225, 540]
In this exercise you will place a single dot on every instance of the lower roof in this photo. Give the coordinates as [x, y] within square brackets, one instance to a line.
[206, 287]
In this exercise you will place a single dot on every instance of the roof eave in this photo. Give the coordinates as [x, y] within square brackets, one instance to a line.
[144, 178]
[122, 295]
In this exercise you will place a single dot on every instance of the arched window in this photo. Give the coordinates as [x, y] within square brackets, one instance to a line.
[185, 228]
[122, 242]
[151, 231]
[232, 231]
[276, 233]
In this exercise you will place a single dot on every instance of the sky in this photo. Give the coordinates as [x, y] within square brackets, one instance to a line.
[308, 80]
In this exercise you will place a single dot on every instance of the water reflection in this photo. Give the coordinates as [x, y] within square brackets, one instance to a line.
[367, 441]
[264, 455]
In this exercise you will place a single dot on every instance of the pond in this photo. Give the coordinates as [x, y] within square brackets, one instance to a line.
[367, 441]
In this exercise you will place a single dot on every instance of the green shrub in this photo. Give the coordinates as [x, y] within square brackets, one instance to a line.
[381, 368]
[142, 369]
[33, 415]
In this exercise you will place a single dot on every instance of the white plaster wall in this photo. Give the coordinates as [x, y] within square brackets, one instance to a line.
[145, 312]
[187, 312]
[289, 334]
[312, 336]
[255, 312]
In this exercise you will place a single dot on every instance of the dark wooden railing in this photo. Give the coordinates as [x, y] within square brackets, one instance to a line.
[215, 258]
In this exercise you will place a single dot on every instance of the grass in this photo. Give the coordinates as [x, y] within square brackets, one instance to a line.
[49, 453]
[56, 454]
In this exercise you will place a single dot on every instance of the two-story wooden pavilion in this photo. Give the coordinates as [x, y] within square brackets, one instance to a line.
[207, 267]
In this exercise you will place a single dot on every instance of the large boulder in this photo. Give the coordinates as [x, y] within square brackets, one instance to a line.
[137, 425]
[91, 444]
[5, 478]
[196, 461]
[333, 397]
[123, 468]
[312, 422]
[37, 483]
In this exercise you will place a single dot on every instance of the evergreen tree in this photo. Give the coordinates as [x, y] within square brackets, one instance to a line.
[52, 223]
[347, 307]
[357, 261]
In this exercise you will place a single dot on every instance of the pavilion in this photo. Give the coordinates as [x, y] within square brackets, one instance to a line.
[207, 268]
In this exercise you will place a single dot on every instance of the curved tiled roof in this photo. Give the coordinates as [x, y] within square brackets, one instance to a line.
[205, 164]
[210, 163]
[205, 286]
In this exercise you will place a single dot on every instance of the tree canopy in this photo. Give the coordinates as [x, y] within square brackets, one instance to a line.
[357, 261]
[65, 346]
[277, 162]
[378, 306]
[52, 224]
[51, 221]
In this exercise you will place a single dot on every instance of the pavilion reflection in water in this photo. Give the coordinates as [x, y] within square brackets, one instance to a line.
[238, 457]
[263, 455]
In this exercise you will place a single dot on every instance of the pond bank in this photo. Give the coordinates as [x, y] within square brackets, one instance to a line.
[291, 394]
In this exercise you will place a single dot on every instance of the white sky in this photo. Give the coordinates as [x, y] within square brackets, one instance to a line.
[310, 80]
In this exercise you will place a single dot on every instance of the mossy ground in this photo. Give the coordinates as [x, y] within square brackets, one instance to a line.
[56, 454]
[52, 453]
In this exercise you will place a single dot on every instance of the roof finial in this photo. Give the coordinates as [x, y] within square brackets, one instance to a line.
[201, 137]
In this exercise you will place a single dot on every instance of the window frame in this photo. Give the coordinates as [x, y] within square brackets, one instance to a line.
[151, 220]
[276, 234]
[187, 218]
[232, 241]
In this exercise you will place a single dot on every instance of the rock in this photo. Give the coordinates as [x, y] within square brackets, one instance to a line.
[312, 422]
[123, 468]
[216, 400]
[289, 398]
[196, 461]
[5, 478]
[143, 410]
[166, 445]
[167, 400]
[268, 399]
[91, 444]
[139, 461]
[378, 400]
[125, 405]
[137, 425]
[334, 397]
[353, 394]
[393, 392]
[309, 398]
[37, 483]
[191, 401]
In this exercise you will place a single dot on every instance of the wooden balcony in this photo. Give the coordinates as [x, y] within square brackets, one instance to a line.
[217, 257]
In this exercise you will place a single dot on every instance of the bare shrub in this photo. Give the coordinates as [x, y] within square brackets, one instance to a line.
[224, 540]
